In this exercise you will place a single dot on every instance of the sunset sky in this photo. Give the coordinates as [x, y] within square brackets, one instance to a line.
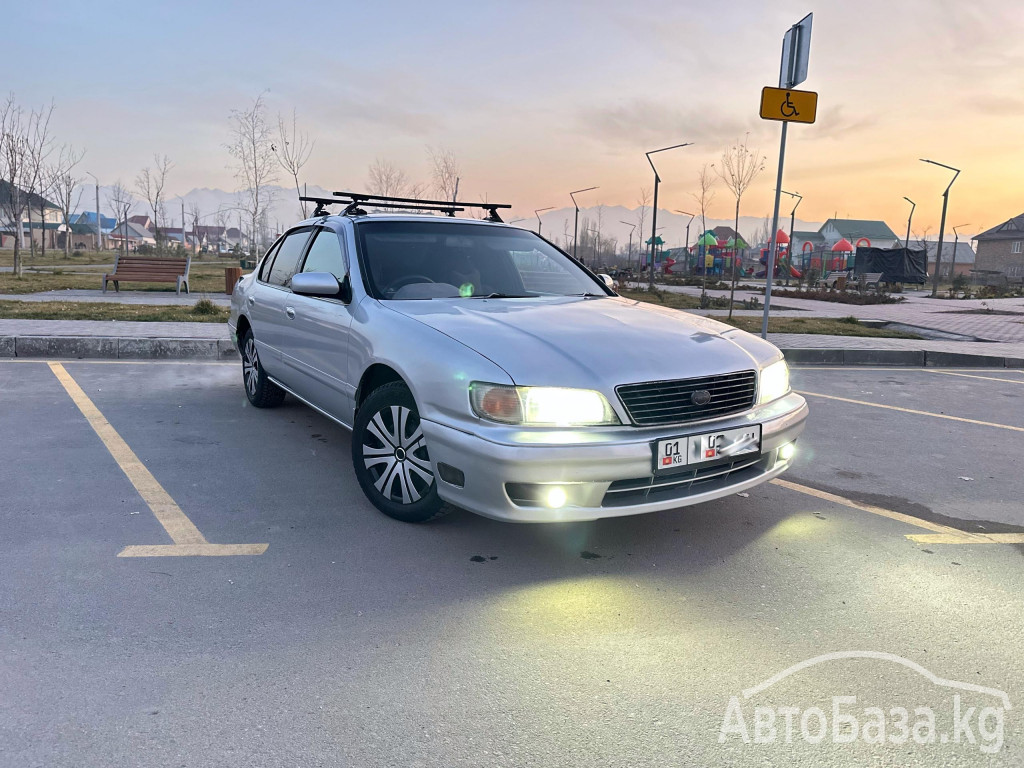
[539, 98]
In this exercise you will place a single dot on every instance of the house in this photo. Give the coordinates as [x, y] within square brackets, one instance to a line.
[40, 219]
[962, 264]
[1001, 249]
[83, 230]
[142, 220]
[805, 245]
[133, 233]
[860, 232]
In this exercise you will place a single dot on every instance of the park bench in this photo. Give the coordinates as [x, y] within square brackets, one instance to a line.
[870, 280]
[149, 269]
[830, 280]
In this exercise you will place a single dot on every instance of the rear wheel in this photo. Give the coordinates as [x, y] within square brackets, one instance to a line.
[260, 390]
[389, 455]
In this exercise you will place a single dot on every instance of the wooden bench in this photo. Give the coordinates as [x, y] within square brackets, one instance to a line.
[830, 280]
[149, 269]
[871, 280]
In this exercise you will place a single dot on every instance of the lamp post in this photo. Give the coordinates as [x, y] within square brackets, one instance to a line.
[629, 252]
[654, 210]
[956, 241]
[942, 225]
[792, 224]
[686, 245]
[538, 212]
[906, 243]
[99, 233]
[576, 219]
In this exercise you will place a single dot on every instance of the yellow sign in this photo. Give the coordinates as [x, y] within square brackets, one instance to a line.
[788, 105]
[709, 260]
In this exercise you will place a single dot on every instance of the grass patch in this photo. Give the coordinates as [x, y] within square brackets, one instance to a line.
[201, 312]
[829, 326]
[203, 278]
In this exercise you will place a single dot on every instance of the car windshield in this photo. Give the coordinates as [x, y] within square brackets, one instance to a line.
[406, 260]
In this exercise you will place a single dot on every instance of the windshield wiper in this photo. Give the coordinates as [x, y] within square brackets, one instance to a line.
[504, 296]
[590, 295]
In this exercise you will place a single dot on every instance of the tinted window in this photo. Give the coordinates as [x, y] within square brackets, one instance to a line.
[325, 254]
[267, 261]
[439, 260]
[287, 259]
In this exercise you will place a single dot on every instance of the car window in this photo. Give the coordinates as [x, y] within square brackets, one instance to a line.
[287, 259]
[267, 261]
[405, 260]
[325, 254]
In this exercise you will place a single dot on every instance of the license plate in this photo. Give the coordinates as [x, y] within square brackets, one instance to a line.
[678, 452]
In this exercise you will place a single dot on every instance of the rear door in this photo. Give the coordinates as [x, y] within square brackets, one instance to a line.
[270, 299]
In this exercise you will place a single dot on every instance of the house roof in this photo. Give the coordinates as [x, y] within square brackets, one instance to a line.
[964, 252]
[134, 231]
[142, 220]
[32, 198]
[852, 229]
[88, 218]
[1011, 229]
[813, 237]
[724, 233]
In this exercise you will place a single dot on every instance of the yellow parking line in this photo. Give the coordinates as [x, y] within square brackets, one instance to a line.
[911, 410]
[87, 361]
[192, 550]
[973, 376]
[183, 532]
[942, 534]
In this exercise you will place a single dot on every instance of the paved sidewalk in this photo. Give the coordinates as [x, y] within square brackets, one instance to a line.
[942, 315]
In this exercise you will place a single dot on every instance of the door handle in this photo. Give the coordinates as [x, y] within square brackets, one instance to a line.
[252, 300]
[290, 311]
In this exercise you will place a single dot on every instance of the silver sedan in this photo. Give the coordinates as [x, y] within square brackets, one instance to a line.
[479, 365]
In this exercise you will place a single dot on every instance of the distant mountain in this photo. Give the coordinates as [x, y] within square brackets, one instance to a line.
[285, 211]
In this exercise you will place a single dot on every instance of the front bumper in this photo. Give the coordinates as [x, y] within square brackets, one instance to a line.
[604, 473]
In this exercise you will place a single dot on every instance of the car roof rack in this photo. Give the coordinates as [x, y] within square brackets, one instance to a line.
[352, 207]
[355, 199]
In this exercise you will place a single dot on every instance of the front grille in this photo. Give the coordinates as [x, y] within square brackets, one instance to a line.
[679, 485]
[670, 402]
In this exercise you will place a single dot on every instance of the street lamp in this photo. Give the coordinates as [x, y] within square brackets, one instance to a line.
[942, 225]
[687, 243]
[792, 223]
[956, 241]
[99, 234]
[906, 243]
[538, 212]
[654, 213]
[576, 220]
[629, 253]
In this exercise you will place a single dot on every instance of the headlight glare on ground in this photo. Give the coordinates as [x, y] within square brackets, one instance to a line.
[774, 381]
[541, 406]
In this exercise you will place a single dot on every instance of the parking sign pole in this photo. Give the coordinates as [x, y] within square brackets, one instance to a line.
[773, 252]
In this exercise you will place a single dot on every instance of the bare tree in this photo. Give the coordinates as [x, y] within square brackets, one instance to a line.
[25, 144]
[292, 149]
[194, 213]
[251, 148]
[643, 202]
[705, 183]
[63, 185]
[150, 183]
[387, 179]
[740, 166]
[121, 199]
[444, 172]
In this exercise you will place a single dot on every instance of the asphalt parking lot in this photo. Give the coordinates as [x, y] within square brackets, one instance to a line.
[304, 628]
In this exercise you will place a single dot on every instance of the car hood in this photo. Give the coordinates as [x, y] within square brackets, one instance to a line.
[590, 343]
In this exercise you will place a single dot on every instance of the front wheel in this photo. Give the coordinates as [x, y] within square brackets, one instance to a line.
[260, 390]
[389, 455]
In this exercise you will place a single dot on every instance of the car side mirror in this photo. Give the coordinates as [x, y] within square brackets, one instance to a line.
[608, 281]
[322, 285]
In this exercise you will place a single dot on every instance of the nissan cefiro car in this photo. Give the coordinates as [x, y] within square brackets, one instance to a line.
[477, 364]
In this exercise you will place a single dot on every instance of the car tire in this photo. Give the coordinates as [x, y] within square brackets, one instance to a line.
[261, 391]
[389, 455]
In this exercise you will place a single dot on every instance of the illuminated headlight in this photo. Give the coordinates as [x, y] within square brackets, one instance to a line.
[774, 381]
[541, 406]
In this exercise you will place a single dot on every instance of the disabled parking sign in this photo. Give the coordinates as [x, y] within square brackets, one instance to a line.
[788, 105]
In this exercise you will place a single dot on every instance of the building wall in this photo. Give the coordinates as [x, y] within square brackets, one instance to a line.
[998, 255]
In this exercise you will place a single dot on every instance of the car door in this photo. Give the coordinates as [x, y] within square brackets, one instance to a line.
[269, 300]
[319, 333]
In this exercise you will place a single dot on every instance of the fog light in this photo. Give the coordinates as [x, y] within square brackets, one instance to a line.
[556, 497]
[786, 452]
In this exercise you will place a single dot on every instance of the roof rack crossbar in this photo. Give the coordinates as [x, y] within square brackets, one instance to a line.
[352, 206]
[445, 205]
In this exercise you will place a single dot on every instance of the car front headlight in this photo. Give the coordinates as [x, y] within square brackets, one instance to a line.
[541, 406]
[774, 381]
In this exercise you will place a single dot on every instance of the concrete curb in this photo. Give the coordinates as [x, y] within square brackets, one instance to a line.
[917, 358]
[116, 348]
[122, 348]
